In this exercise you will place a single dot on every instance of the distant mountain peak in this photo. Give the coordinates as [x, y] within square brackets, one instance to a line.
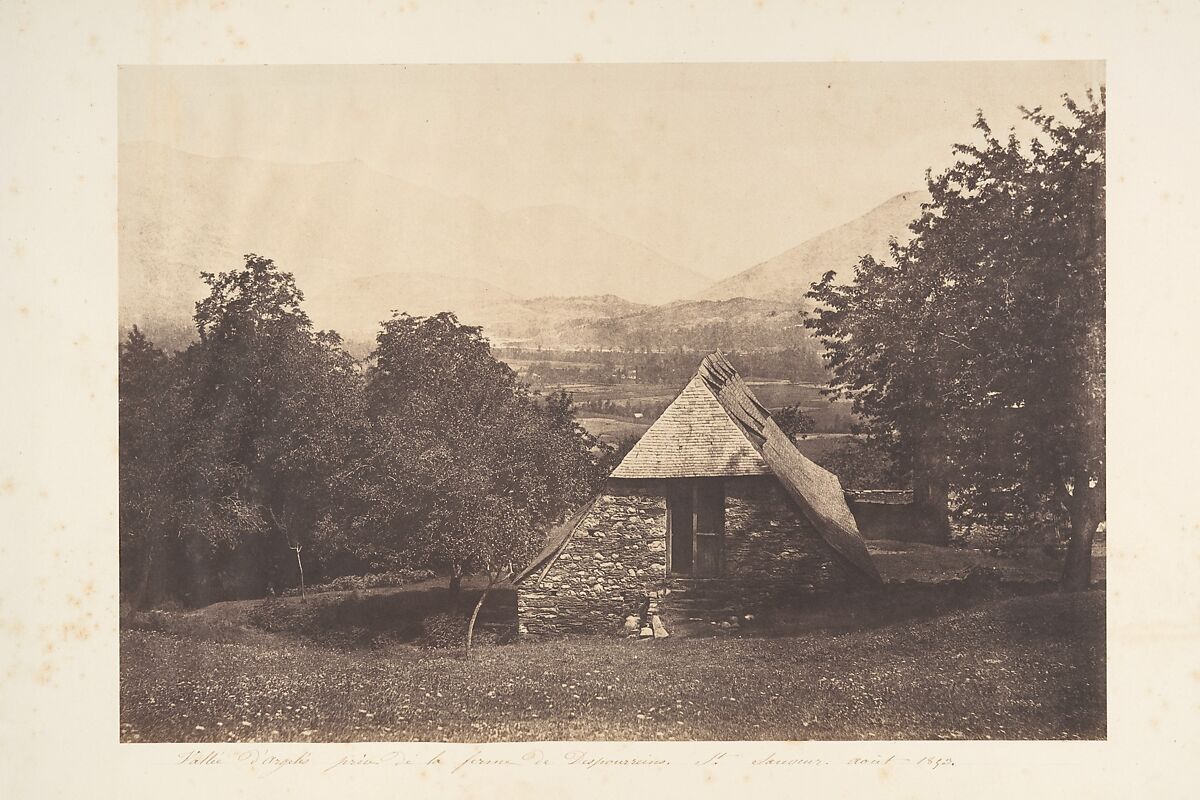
[789, 274]
[342, 227]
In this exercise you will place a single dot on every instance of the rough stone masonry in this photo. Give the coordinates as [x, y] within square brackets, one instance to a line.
[616, 558]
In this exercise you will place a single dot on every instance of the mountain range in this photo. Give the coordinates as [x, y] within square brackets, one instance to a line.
[789, 274]
[362, 244]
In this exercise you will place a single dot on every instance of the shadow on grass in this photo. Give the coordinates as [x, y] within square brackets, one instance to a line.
[428, 616]
[897, 603]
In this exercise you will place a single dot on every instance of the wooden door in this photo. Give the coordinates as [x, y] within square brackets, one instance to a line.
[708, 528]
[708, 555]
[679, 528]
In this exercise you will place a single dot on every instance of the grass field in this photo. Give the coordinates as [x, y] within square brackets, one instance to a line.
[773, 394]
[612, 429]
[816, 445]
[1014, 668]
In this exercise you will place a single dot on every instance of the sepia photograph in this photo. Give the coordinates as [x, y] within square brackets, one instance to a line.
[612, 402]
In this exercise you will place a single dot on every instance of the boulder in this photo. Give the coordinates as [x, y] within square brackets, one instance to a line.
[660, 630]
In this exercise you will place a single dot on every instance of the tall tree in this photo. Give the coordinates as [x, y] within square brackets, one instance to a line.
[885, 354]
[276, 406]
[458, 441]
[149, 409]
[977, 351]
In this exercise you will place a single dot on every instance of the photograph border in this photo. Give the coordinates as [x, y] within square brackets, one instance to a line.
[60, 606]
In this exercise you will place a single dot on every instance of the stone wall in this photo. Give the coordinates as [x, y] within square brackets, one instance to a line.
[772, 551]
[617, 554]
[896, 521]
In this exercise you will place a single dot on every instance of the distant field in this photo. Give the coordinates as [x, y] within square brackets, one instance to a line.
[521, 365]
[777, 395]
[611, 430]
[772, 394]
[816, 445]
[582, 392]
[630, 397]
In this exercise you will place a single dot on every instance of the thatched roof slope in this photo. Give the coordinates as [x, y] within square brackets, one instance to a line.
[816, 491]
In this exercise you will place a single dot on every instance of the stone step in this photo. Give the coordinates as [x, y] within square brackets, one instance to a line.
[697, 602]
[701, 595]
[706, 584]
[699, 607]
[717, 614]
[684, 626]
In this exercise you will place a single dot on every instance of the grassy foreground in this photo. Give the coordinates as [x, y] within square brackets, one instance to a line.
[1023, 668]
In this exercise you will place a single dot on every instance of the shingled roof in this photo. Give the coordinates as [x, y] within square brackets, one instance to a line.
[694, 438]
[716, 427]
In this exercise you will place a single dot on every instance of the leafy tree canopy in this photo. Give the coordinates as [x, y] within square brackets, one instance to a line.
[976, 351]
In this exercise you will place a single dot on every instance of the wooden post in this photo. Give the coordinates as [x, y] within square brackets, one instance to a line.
[300, 564]
[695, 523]
[670, 534]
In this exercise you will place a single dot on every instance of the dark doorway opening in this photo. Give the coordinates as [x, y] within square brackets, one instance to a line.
[696, 527]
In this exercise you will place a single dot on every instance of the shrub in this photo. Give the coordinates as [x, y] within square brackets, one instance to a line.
[378, 580]
[274, 615]
[444, 630]
[189, 626]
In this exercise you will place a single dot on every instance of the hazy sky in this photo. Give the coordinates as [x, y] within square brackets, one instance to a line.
[715, 166]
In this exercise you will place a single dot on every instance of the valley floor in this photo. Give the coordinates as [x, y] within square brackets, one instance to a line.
[1028, 667]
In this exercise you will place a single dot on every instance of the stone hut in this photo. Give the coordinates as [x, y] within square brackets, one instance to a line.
[713, 503]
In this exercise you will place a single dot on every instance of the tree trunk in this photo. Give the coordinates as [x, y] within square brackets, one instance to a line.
[475, 614]
[932, 503]
[1085, 518]
[931, 491]
[931, 487]
[295, 548]
[300, 564]
[143, 593]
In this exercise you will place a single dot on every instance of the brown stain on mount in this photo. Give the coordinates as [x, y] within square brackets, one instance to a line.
[76, 631]
[44, 673]
[238, 41]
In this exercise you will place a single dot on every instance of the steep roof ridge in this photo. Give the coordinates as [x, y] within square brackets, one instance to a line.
[815, 489]
[734, 395]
